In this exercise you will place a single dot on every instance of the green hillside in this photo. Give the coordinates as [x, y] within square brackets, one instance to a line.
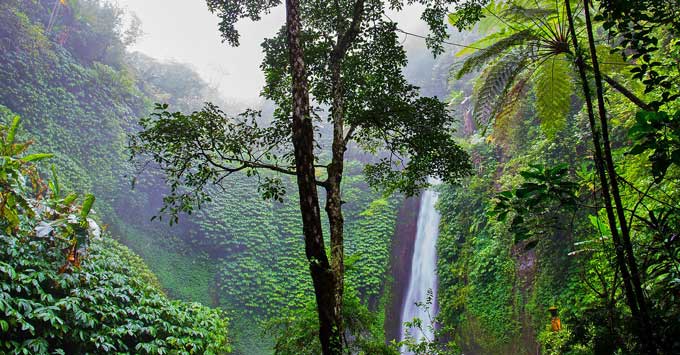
[68, 288]
[239, 252]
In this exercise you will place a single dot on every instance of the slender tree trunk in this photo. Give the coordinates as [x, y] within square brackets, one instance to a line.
[333, 189]
[611, 170]
[346, 38]
[303, 142]
[599, 164]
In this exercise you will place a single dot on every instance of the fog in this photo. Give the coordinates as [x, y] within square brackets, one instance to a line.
[186, 32]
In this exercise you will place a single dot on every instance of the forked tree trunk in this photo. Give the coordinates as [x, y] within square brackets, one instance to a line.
[303, 142]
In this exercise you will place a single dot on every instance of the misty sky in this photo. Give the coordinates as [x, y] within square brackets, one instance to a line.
[185, 31]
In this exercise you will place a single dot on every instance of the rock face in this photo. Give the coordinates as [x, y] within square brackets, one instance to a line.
[400, 265]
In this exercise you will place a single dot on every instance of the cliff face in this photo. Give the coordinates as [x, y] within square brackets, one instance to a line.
[400, 265]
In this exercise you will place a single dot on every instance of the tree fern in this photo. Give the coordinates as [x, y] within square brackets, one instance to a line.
[530, 42]
[506, 120]
[553, 87]
[482, 43]
[518, 13]
[496, 80]
[491, 20]
[481, 57]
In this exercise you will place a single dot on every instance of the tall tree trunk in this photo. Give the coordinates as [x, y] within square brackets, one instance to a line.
[611, 170]
[336, 168]
[333, 189]
[303, 142]
[599, 164]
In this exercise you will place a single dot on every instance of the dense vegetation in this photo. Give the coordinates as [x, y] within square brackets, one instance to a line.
[571, 121]
[80, 105]
[66, 288]
[335, 75]
[530, 230]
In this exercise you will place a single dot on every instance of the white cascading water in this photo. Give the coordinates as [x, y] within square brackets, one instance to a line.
[423, 269]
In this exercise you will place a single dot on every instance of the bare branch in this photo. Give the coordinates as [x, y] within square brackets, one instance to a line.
[349, 135]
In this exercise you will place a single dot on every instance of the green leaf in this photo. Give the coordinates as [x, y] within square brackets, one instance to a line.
[602, 227]
[87, 205]
[54, 183]
[11, 134]
[69, 198]
[37, 157]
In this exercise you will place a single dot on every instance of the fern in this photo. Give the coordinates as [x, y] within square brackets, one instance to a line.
[519, 13]
[506, 121]
[491, 20]
[496, 80]
[481, 43]
[481, 57]
[553, 88]
[528, 31]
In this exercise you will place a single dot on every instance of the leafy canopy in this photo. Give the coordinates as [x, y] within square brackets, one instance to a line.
[385, 115]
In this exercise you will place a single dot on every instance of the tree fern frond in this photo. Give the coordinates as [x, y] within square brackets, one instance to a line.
[478, 59]
[491, 19]
[505, 123]
[518, 13]
[553, 87]
[496, 80]
[482, 43]
[610, 62]
[512, 101]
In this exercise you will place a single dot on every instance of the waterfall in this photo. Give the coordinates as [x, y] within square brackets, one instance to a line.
[423, 268]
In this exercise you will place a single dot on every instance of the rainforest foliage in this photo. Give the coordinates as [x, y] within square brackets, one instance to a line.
[570, 119]
[530, 229]
[80, 92]
[68, 288]
[335, 75]
[79, 106]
